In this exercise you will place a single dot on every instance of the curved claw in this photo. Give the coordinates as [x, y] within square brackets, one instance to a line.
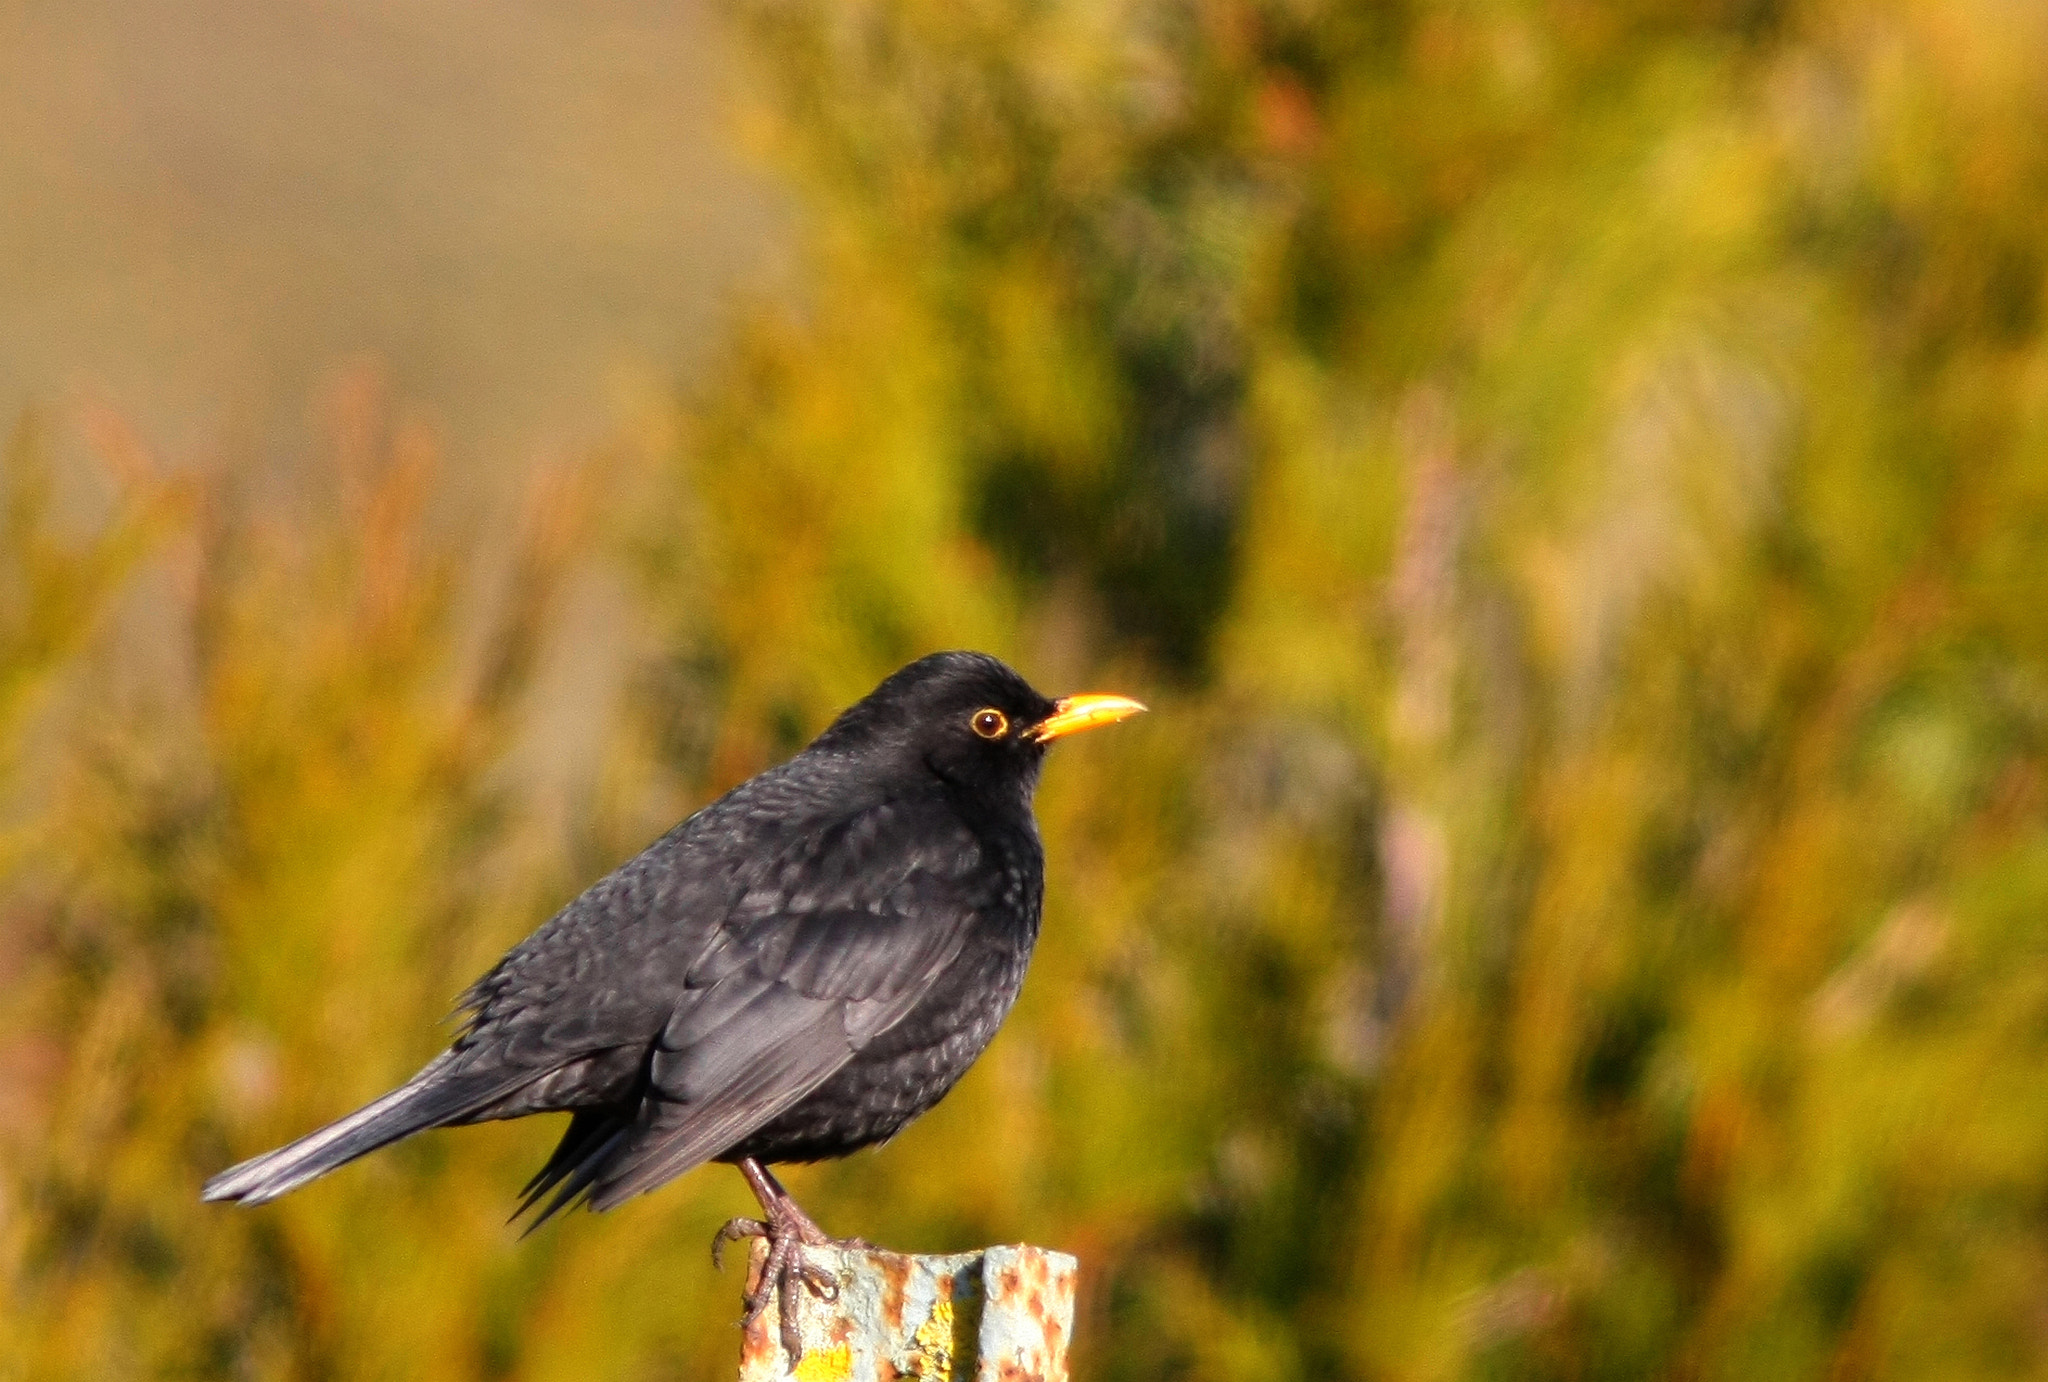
[817, 1280]
[731, 1232]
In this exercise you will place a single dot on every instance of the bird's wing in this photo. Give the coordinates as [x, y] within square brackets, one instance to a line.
[605, 971]
[834, 944]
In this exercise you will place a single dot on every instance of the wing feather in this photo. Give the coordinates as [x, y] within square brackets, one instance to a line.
[751, 1048]
[804, 960]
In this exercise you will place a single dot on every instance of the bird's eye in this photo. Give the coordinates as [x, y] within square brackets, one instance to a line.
[990, 724]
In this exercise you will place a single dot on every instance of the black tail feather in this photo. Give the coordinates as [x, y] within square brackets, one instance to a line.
[586, 1147]
[437, 1096]
[585, 1129]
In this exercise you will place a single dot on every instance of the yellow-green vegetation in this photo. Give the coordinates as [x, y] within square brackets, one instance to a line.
[1572, 481]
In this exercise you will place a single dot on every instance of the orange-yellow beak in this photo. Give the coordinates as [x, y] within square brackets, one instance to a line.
[1072, 714]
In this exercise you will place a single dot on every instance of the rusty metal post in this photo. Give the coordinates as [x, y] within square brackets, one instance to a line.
[997, 1315]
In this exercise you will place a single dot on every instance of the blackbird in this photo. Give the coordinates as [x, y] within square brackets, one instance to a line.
[791, 974]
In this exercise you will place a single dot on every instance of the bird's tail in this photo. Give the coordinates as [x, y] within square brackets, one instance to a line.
[435, 1097]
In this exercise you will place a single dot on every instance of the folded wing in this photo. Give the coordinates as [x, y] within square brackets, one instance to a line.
[794, 983]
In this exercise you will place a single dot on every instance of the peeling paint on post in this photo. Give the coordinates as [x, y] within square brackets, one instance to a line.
[998, 1315]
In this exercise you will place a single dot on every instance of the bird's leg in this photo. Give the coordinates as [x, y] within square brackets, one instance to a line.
[789, 1231]
[812, 1234]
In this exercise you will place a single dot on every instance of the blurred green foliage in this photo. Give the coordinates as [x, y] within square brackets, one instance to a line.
[1573, 482]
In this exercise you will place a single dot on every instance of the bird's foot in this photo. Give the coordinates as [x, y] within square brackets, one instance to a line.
[785, 1270]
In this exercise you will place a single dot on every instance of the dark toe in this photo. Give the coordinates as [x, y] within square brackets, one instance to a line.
[821, 1283]
[731, 1232]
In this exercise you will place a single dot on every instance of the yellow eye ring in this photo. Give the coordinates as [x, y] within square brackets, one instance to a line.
[990, 723]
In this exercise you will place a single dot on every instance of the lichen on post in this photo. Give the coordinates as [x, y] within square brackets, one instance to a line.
[1002, 1314]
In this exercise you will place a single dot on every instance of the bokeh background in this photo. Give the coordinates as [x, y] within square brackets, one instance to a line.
[1571, 478]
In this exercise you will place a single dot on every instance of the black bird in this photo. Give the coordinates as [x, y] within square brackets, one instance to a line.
[793, 973]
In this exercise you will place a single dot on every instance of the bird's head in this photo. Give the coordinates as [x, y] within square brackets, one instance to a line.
[970, 718]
